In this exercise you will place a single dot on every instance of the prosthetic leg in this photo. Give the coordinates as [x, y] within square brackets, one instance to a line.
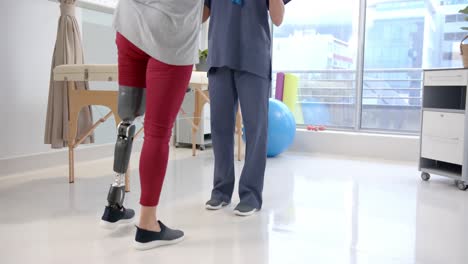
[131, 106]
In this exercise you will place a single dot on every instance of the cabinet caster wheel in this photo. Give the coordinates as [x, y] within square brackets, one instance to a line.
[202, 147]
[462, 186]
[425, 176]
[176, 145]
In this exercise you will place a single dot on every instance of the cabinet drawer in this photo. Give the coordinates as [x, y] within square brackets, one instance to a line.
[447, 150]
[446, 78]
[443, 125]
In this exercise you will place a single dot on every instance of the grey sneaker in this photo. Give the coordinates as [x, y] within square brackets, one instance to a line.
[245, 210]
[215, 204]
[145, 239]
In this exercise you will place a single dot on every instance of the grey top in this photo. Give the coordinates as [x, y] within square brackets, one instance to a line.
[239, 36]
[166, 30]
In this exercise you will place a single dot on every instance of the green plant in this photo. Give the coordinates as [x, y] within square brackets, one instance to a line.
[203, 54]
[464, 11]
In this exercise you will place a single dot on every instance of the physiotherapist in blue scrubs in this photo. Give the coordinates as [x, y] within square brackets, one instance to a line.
[240, 71]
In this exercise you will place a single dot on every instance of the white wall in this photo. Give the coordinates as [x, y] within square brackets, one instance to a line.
[377, 146]
[28, 31]
[28, 27]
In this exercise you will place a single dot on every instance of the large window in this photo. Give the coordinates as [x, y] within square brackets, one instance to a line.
[359, 62]
[318, 43]
[361, 68]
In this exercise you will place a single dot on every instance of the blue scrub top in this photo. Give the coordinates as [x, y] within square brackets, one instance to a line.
[239, 36]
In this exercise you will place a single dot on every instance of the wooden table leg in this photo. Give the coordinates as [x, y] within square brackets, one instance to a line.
[196, 122]
[200, 100]
[127, 179]
[73, 112]
[71, 164]
[239, 135]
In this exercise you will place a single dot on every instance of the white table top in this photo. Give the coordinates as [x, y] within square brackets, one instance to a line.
[109, 73]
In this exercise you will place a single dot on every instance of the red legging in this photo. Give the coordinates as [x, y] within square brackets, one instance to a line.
[166, 86]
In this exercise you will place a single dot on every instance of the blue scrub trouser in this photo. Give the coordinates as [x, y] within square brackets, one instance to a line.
[227, 86]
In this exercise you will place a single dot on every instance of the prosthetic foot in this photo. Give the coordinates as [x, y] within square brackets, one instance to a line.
[115, 213]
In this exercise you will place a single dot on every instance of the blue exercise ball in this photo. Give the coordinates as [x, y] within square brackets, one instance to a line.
[281, 128]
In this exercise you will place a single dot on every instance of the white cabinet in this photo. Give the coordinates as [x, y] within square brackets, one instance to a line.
[443, 149]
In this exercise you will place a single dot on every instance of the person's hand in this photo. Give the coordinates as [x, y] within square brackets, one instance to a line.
[277, 11]
[206, 14]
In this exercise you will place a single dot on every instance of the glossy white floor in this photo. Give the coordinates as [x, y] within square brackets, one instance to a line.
[318, 209]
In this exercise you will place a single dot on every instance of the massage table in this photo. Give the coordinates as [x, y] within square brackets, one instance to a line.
[77, 99]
